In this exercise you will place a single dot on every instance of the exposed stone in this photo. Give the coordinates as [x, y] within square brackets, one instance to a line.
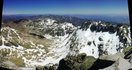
[80, 62]
[120, 64]
[9, 65]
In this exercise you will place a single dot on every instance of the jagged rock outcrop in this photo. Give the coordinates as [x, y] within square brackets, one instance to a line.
[79, 62]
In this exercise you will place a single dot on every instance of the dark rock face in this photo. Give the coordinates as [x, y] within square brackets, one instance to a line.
[83, 62]
[100, 39]
[63, 65]
[93, 28]
[123, 32]
[100, 49]
[1, 68]
[127, 54]
[89, 43]
[106, 28]
[79, 62]
[100, 64]
[85, 25]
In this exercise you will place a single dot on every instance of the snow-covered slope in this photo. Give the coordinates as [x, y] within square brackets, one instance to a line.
[49, 41]
[96, 43]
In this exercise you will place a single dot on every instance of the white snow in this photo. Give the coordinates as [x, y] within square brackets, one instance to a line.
[48, 36]
[50, 22]
[110, 41]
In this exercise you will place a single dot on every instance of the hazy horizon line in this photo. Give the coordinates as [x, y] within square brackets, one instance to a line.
[75, 14]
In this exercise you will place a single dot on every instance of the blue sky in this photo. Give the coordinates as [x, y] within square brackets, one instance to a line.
[92, 7]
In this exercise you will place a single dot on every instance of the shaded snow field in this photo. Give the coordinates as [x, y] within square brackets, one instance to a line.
[61, 46]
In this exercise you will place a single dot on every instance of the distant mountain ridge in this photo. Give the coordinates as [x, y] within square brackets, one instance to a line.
[75, 19]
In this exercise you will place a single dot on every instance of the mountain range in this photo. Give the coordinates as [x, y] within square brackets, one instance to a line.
[53, 42]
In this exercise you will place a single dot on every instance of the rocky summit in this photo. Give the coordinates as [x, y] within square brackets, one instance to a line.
[51, 43]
